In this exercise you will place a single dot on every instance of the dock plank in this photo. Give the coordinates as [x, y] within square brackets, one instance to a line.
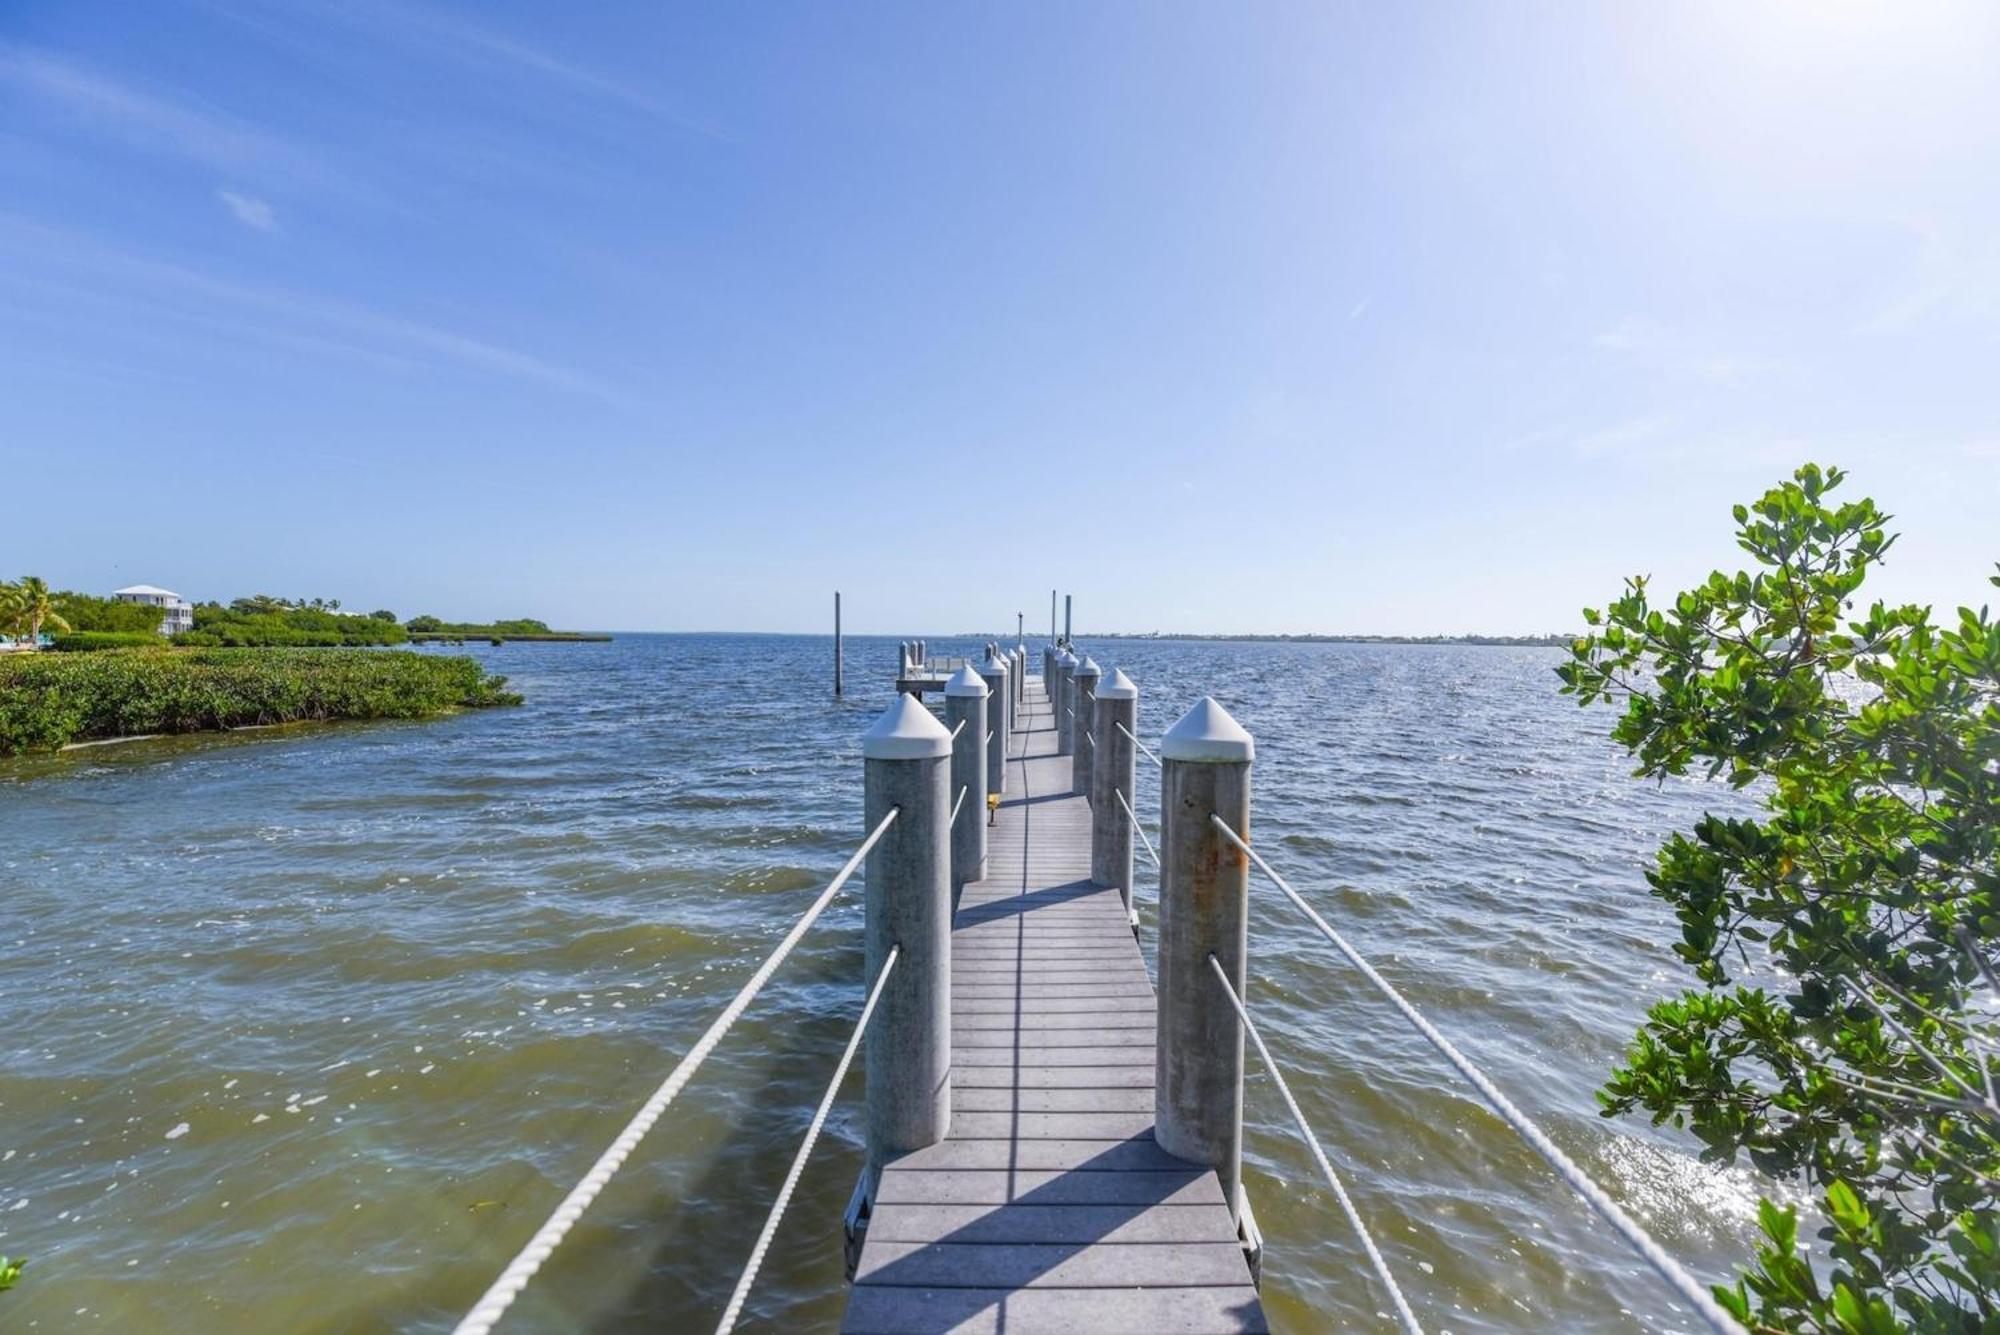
[1049, 1206]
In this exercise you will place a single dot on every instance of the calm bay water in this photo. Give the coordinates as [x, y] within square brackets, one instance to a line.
[308, 1029]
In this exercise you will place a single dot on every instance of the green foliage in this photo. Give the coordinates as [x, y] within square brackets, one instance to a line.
[83, 641]
[383, 615]
[87, 613]
[515, 626]
[49, 700]
[10, 1272]
[28, 608]
[253, 622]
[1865, 899]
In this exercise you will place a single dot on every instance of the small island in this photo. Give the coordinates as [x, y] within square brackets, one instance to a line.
[427, 628]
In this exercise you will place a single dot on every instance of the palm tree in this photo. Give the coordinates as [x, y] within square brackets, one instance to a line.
[35, 608]
[9, 600]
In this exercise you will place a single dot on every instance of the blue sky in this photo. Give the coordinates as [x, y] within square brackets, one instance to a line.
[1267, 318]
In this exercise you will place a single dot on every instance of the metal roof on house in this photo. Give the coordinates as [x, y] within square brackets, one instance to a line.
[148, 591]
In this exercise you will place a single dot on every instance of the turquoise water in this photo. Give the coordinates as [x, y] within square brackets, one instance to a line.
[309, 1029]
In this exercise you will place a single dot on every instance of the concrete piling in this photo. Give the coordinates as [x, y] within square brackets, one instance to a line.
[965, 703]
[1114, 773]
[1060, 702]
[907, 756]
[1083, 700]
[1204, 910]
[999, 722]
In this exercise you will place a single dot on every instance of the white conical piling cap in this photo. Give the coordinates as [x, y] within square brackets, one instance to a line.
[1066, 659]
[906, 731]
[966, 682]
[1206, 734]
[994, 666]
[1118, 687]
[1088, 668]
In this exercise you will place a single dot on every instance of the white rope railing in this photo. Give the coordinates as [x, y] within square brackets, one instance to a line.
[1403, 1312]
[1143, 750]
[963, 789]
[1088, 736]
[960, 728]
[1137, 828]
[742, 1293]
[1678, 1279]
[500, 1295]
[989, 736]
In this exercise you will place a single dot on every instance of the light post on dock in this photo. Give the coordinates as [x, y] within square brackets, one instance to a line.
[1114, 775]
[907, 756]
[1204, 911]
[1083, 700]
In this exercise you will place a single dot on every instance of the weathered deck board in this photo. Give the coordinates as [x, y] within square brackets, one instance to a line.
[1049, 1207]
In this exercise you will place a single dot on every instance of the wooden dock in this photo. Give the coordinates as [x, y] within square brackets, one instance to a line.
[1049, 1206]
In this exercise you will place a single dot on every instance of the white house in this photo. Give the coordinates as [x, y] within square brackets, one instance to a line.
[179, 612]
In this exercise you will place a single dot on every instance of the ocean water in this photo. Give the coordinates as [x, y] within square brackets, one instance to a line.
[308, 1029]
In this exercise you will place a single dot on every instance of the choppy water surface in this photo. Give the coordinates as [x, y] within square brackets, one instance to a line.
[309, 1029]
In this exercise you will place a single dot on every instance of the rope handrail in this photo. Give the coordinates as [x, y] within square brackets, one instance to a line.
[1635, 1235]
[959, 729]
[770, 1230]
[1137, 828]
[1088, 736]
[1143, 749]
[1403, 1312]
[500, 1295]
[963, 789]
[989, 736]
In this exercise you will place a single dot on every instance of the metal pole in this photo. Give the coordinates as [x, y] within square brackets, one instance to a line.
[1052, 616]
[907, 755]
[1083, 700]
[1067, 638]
[999, 721]
[965, 704]
[1114, 773]
[1204, 910]
[837, 692]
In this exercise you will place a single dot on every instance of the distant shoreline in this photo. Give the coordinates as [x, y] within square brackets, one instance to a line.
[1552, 641]
[460, 637]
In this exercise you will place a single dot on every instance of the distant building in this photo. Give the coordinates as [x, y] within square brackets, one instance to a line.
[178, 611]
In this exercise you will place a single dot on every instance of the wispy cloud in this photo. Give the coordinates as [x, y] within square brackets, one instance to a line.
[1660, 348]
[1664, 441]
[1955, 269]
[474, 44]
[1624, 437]
[249, 210]
[157, 123]
[300, 316]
